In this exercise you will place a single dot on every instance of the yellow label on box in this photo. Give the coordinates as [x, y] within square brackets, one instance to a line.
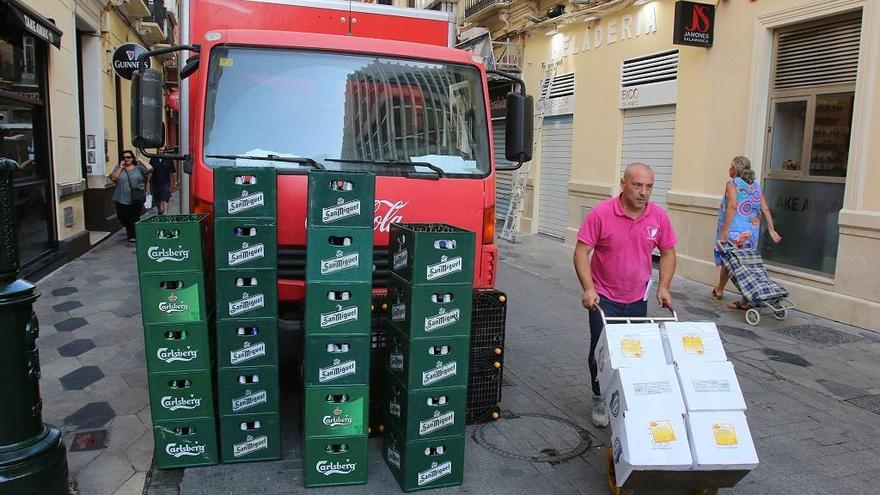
[662, 431]
[225, 62]
[725, 435]
[631, 348]
[693, 344]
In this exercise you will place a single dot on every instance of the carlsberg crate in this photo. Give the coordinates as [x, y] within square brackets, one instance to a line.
[432, 253]
[338, 308]
[337, 360]
[181, 395]
[178, 346]
[247, 390]
[424, 464]
[245, 192]
[173, 297]
[339, 254]
[436, 362]
[171, 243]
[430, 310]
[336, 411]
[250, 437]
[341, 199]
[185, 442]
[424, 413]
[244, 243]
[247, 293]
[247, 342]
[329, 461]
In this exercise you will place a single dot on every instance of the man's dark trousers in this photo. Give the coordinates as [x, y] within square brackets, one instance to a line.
[637, 309]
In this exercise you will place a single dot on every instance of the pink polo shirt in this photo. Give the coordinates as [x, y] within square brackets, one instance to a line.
[622, 247]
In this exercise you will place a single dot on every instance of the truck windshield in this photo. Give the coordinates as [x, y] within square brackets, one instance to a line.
[346, 112]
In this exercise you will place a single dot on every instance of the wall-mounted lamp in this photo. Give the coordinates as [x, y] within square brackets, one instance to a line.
[533, 18]
[552, 32]
[592, 18]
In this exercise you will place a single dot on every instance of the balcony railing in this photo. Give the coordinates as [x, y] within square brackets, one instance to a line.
[478, 7]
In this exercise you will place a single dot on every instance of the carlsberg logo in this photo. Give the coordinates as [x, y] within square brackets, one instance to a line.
[334, 421]
[250, 446]
[160, 255]
[437, 422]
[248, 352]
[171, 355]
[249, 400]
[338, 370]
[180, 450]
[327, 467]
[340, 211]
[339, 317]
[172, 307]
[339, 263]
[444, 268]
[246, 253]
[244, 203]
[246, 303]
[175, 403]
[441, 372]
[435, 473]
[443, 319]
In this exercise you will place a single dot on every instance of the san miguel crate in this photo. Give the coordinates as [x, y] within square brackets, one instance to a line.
[178, 346]
[337, 360]
[247, 390]
[425, 413]
[247, 342]
[245, 192]
[335, 254]
[430, 310]
[336, 411]
[183, 394]
[251, 293]
[427, 363]
[171, 243]
[424, 464]
[173, 297]
[341, 199]
[338, 308]
[431, 253]
[329, 461]
[245, 243]
[250, 437]
[185, 442]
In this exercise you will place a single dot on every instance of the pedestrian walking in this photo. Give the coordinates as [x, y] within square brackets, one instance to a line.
[130, 176]
[163, 181]
[613, 261]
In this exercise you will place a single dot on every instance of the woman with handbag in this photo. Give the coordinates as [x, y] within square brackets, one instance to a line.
[130, 177]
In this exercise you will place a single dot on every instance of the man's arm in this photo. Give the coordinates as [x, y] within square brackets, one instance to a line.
[589, 298]
[667, 270]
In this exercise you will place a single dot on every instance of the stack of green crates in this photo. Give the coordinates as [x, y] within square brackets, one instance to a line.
[246, 257]
[428, 349]
[178, 339]
[336, 368]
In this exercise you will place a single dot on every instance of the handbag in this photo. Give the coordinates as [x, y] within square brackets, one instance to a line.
[137, 195]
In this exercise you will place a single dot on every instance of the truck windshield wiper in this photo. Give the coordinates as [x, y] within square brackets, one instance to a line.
[272, 158]
[434, 168]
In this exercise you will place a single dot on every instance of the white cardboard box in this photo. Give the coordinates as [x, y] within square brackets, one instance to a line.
[643, 389]
[710, 387]
[628, 345]
[721, 440]
[649, 441]
[692, 342]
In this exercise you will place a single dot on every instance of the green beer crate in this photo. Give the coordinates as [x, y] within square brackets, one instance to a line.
[247, 342]
[178, 346]
[337, 360]
[428, 413]
[335, 461]
[181, 395]
[338, 308]
[430, 310]
[173, 297]
[245, 243]
[250, 437]
[245, 192]
[171, 243]
[247, 390]
[185, 442]
[424, 464]
[339, 254]
[247, 293]
[341, 199]
[336, 411]
[435, 362]
[432, 253]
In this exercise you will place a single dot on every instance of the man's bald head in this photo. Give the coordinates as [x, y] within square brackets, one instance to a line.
[637, 168]
[636, 186]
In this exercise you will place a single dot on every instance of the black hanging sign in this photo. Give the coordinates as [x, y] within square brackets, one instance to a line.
[694, 24]
[125, 59]
[33, 22]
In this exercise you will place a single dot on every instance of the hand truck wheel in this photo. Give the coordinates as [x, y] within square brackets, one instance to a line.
[781, 314]
[753, 317]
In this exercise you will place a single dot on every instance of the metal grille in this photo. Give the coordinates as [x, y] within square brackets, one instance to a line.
[563, 85]
[487, 335]
[819, 335]
[819, 53]
[649, 69]
[292, 264]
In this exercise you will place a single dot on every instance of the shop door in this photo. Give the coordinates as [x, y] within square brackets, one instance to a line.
[555, 174]
[648, 137]
[503, 180]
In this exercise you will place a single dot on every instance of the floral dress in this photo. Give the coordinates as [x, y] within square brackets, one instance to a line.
[746, 225]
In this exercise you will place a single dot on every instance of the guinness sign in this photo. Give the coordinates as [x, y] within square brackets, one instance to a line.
[125, 60]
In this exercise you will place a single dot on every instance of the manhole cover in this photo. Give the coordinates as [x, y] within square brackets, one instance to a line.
[88, 440]
[869, 402]
[534, 438]
[818, 335]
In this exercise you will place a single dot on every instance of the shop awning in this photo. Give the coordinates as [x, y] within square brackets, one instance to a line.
[33, 22]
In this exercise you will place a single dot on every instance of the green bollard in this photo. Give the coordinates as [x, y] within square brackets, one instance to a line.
[32, 456]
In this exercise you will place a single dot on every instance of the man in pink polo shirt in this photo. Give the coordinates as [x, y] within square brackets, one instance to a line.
[621, 234]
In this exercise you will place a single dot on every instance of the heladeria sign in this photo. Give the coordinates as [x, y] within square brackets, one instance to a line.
[694, 24]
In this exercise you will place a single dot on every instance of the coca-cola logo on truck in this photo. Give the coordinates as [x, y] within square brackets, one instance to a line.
[387, 212]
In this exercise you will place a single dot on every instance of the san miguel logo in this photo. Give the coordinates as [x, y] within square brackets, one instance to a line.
[338, 317]
[393, 457]
[339, 263]
[175, 403]
[180, 450]
[250, 445]
[337, 370]
[161, 255]
[387, 212]
[447, 266]
[694, 24]
[328, 468]
[246, 303]
[246, 253]
[394, 407]
[245, 202]
[337, 419]
[439, 373]
[442, 319]
[398, 312]
[341, 210]
[249, 400]
[439, 421]
[436, 472]
[247, 352]
[172, 306]
[395, 360]
[167, 355]
[400, 259]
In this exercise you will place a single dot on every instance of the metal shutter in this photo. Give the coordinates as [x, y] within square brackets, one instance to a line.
[648, 137]
[555, 174]
[820, 53]
[503, 180]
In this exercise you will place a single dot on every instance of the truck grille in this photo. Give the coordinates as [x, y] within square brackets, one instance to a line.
[292, 264]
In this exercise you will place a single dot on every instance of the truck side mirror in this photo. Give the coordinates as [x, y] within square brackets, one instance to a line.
[519, 129]
[148, 130]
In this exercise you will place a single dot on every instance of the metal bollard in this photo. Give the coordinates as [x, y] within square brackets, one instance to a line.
[32, 457]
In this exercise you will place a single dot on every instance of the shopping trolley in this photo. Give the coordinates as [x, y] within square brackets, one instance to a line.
[747, 270]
